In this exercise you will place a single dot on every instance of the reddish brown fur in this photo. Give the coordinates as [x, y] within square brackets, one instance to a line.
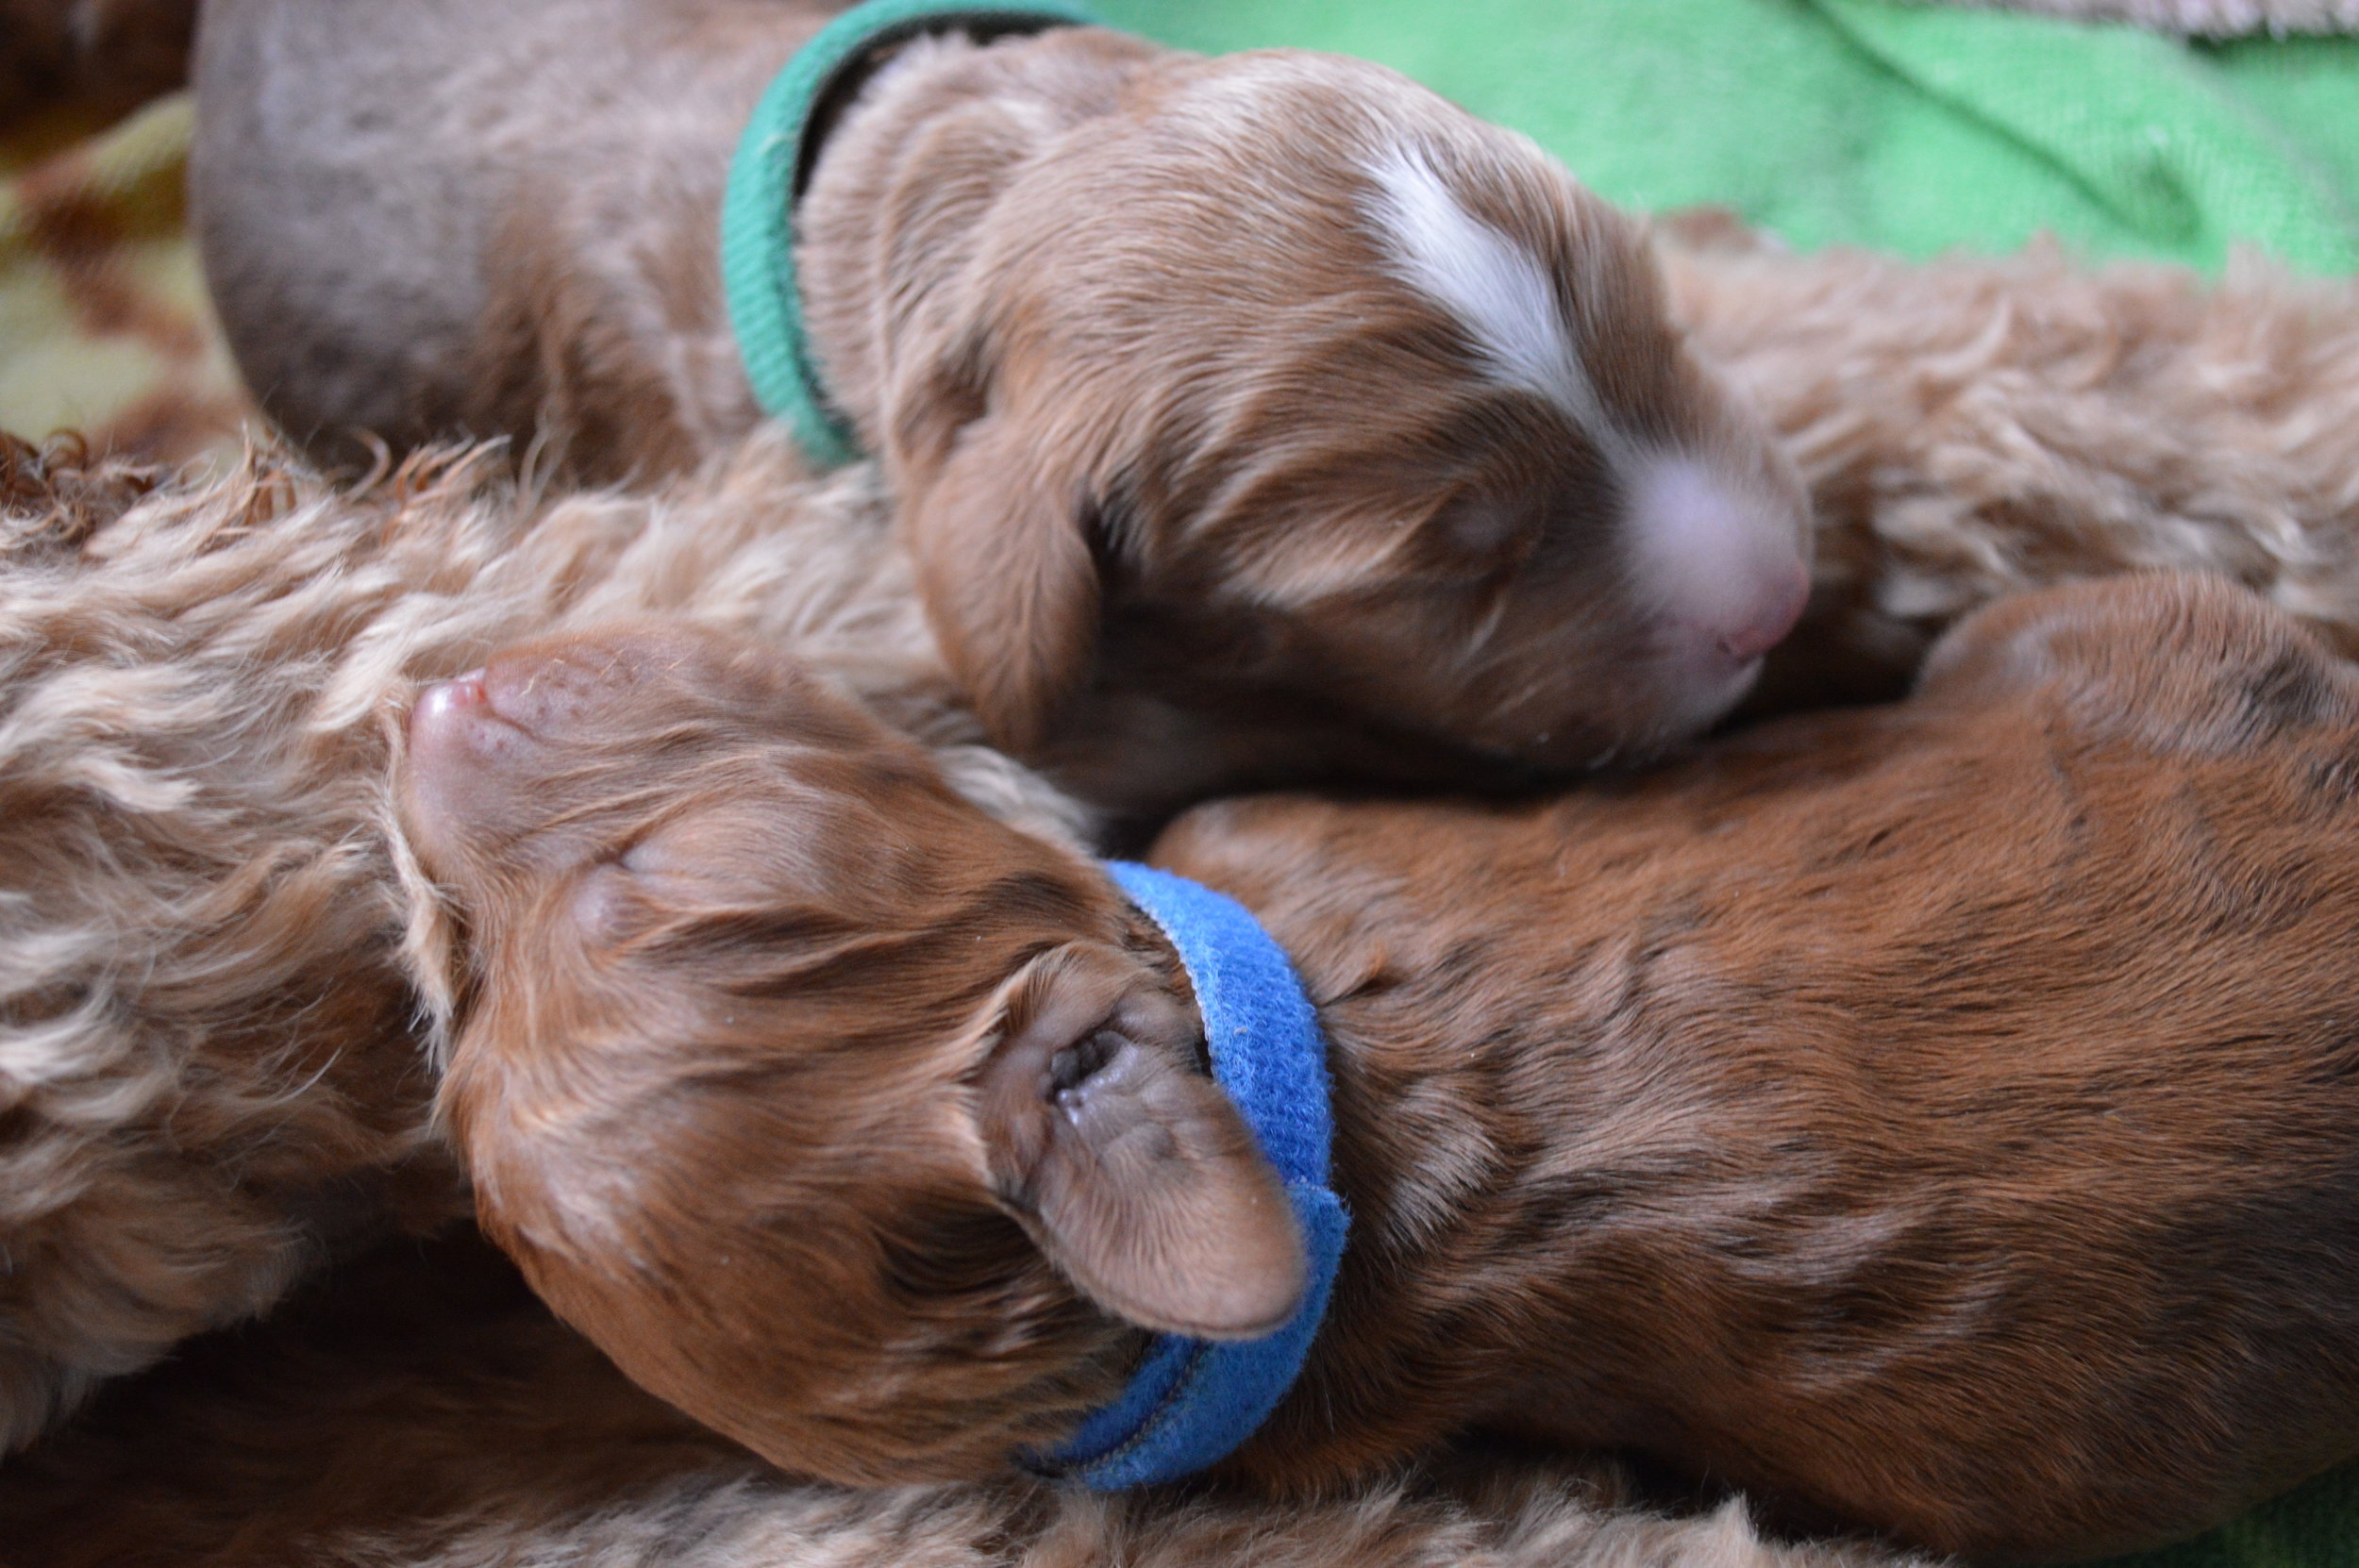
[750, 920]
[215, 1066]
[420, 1410]
[1201, 489]
[1939, 1118]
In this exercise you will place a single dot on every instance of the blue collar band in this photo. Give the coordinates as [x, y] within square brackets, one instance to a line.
[767, 176]
[1192, 1402]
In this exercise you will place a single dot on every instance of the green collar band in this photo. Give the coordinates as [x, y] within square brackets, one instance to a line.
[774, 163]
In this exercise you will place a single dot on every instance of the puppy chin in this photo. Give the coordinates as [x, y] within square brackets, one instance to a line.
[1697, 699]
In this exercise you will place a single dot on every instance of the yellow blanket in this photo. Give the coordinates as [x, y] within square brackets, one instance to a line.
[104, 325]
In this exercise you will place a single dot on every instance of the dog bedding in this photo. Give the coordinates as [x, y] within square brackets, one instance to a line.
[1865, 122]
[104, 328]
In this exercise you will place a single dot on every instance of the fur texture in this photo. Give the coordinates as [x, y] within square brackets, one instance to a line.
[213, 1065]
[1904, 1113]
[1971, 427]
[424, 1413]
[1219, 453]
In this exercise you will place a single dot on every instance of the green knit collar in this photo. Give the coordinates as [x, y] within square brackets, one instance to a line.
[773, 164]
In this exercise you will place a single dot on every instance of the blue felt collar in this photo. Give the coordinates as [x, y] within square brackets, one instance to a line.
[1191, 1402]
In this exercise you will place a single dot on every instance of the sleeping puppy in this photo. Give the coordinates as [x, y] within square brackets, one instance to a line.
[1249, 419]
[1939, 1118]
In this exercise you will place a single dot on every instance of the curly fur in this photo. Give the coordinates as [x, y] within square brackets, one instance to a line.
[210, 1073]
[194, 873]
[1975, 427]
[424, 1410]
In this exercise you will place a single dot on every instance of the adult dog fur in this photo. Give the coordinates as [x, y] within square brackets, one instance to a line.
[1908, 1114]
[1251, 418]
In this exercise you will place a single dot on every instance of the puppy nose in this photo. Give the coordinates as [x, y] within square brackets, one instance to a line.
[1771, 615]
[1728, 564]
[446, 698]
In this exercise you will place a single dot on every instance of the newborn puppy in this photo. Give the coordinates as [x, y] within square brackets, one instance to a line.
[216, 1063]
[1248, 419]
[1940, 1119]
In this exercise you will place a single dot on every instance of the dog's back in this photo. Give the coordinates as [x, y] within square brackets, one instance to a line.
[462, 161]
[1944, 1114]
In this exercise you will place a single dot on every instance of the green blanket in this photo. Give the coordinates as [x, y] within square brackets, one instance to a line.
[1862, 122]
[1910, 129]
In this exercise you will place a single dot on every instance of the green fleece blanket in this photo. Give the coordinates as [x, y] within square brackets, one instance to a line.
[1862, 122]
[1910, 129]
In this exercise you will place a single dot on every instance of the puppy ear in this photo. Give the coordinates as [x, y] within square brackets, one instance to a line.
[1007, 577]
[1130, 1167]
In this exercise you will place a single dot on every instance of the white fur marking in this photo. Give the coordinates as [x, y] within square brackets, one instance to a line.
[1495, 287]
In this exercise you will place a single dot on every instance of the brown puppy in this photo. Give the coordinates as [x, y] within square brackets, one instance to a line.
[1249, 419]
[1938, 1118]
[215, 1065]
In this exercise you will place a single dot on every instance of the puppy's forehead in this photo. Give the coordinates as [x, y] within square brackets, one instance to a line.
[1468, 225]
[1496, 287]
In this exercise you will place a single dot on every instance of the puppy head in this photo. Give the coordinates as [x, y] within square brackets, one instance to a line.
[860, 1126]
[1292, 375]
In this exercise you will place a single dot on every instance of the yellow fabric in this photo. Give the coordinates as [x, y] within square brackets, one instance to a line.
[104, 323]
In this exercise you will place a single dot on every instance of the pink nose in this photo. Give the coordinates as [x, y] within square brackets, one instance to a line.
[444, 699]
[1771, 615]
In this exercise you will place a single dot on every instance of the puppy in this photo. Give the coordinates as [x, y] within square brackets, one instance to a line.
[216, 1062]
[1938, 1119]
[1248, 419]
[1975, 427]
[220, 1037]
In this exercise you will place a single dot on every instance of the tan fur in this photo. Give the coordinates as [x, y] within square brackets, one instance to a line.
[424, 1413]
[1907, 1113]
[1971, 427]
[1203, 485]
[212, 1066]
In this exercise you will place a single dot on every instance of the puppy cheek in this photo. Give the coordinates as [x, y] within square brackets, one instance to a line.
[606, 904]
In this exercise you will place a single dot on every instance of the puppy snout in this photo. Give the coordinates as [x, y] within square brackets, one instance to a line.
[449, 719]
[1729, 566]
[456, 740]
[1777, 605]
[446, 702]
